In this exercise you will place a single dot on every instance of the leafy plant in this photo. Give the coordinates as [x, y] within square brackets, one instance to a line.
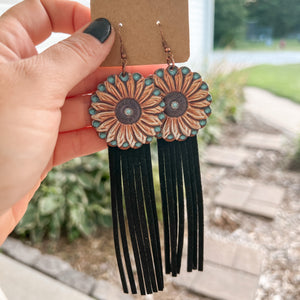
[73, 200]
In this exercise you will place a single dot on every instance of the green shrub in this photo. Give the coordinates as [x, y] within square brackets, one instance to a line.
[74, 199]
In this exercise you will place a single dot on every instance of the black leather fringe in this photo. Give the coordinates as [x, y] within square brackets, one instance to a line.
[178, 164]
[132, 188]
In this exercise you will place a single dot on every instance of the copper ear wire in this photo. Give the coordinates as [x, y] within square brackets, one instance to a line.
[168, 51]
[122, 51]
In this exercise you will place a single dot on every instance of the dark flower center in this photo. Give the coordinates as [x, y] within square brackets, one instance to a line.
[176, 104]
[128, 111]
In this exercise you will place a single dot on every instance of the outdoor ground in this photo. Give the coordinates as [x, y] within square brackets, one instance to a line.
[280, 274]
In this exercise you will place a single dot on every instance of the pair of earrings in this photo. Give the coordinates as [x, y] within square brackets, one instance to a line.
[129, 111]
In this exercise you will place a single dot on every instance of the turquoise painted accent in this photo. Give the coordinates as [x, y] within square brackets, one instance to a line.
[196, 76]
[160, 73]
[170, 137]
[209, 98]
[174, 104]
[156, 92]
[183, 137]
[125, 145]
[111, 79]
[162, 104]
[148, 81]
[114, 143]
[102, 135]
[157, 129]
[185, 70]
[159, 135]
[96, 124]
[203, 122]
[204, 86]
[138, 144]
[161, 116]
[207, 110]
[149, 139]
[137, 76]
[173, 71]
[92, 111]
[128, 112]
[95, 98]
[124, 78]
[194, 132]
[101, 87]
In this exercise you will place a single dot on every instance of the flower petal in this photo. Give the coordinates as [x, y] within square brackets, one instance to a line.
[121, 136]
[199, 104]
[146, 130]
[185, 130]
[140, 136]
[130, 86]
[105, 115]
[103, 106]
[161, 84]
[150, 120]
[154, 110]
[167, 128]
[146, 93]
[96, 117]
[194, 87]
[106, 125]
[113, 132]
[178, 80]
[106, 97]
[175, 128]
[130, 136]
[193, 124]
[169, 80]
[139, 88]
[187, 82]
[151, 102]
[200, 94]
[121, 87]
[111, 88]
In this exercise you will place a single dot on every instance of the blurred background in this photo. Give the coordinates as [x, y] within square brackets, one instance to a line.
[248, 51]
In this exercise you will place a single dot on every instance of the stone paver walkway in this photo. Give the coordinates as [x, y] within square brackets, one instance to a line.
[275, 111]
[231, 272]
[251, 197]
[225, 157]
[20, 282]
[257, 140]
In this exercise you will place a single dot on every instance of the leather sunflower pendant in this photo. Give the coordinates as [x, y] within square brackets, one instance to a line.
[187, 107]
[127, 111]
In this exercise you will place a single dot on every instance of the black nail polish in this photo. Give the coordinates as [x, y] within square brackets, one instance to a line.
[100, 29]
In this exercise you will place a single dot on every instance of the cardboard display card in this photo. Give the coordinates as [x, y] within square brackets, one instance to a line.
[140, 33]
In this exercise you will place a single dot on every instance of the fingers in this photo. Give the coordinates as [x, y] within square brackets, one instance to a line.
[75, 114]
[31, 22]
[89, 84]
[75, 144]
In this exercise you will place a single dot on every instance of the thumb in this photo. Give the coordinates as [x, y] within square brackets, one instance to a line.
[71, 60]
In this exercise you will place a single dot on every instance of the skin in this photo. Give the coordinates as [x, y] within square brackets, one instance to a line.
[44, 118]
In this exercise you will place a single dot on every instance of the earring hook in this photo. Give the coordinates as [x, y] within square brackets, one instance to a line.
[122, 51]
[168, 51]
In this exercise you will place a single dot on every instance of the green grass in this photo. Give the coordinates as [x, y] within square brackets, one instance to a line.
[283, 80]
[291, 45]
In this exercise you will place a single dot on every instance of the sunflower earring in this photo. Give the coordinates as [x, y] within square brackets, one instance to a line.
[127, 112]
[187, 107]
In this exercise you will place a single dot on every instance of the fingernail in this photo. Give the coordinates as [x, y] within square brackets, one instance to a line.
[100, 29]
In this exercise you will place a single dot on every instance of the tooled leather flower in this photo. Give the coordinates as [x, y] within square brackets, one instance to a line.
[187, 102]
[127, 111]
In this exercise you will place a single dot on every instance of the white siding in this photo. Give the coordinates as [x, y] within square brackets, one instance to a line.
[201, 31]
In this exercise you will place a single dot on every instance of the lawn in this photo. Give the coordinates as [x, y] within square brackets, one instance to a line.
[282, 80]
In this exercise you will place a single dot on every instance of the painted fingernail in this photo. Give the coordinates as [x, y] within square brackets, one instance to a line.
[100, 29]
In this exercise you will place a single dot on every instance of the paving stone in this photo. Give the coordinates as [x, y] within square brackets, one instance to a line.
[51, 265]
[251, 197]
[225, 157]
[231, 271]
[77, 280]
[263, 141]
[20, 252]
[107, 291]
